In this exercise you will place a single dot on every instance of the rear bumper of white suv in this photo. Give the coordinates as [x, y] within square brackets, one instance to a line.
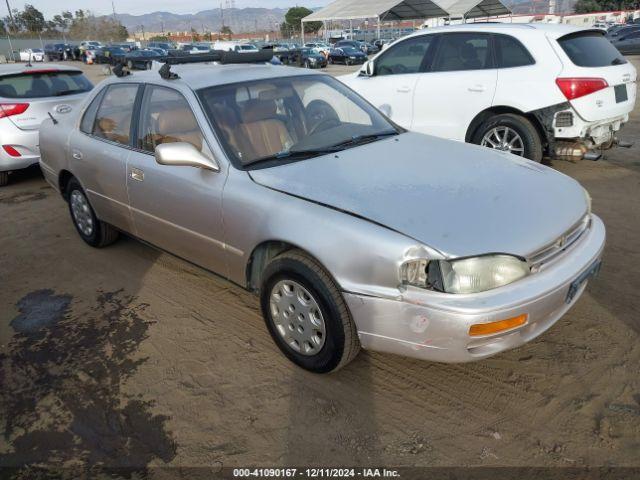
[569, 126]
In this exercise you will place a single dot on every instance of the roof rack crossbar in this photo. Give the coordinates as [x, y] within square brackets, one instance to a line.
[219, 56]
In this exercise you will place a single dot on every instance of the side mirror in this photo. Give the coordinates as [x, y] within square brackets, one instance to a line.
[182, 154]
[367, 69]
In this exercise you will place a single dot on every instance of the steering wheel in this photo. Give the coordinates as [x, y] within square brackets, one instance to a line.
[327, 123]
[321, 115]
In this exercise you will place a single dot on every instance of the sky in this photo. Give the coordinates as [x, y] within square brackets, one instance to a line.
[137, 7]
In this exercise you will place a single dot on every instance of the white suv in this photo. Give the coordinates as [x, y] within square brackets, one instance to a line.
[530, 89]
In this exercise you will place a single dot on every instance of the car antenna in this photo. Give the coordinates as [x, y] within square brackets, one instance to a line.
[55, 122]
[120, 72]
[167, 74]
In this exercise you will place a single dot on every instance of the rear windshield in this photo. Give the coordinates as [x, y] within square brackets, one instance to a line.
[43, 84]
[590, 49]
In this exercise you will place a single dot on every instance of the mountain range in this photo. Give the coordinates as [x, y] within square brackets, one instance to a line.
[243, 20]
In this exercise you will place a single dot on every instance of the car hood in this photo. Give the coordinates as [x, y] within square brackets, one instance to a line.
[457, 198]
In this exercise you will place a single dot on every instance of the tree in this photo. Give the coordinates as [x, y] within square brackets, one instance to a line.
[587, 6]
[226, 30]
[32, 19]
[3, 28]
[293, 19]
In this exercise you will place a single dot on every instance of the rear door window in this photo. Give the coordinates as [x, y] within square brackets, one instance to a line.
[590, 49]
[405, 57]
[113, 120]
[511, 53]
[463, 51]
[43, 83]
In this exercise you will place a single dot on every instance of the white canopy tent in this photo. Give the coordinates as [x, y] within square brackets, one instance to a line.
[396, 10]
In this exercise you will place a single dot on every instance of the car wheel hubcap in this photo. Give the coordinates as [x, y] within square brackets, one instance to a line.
[504, 139]
[81, 213]
[297, 317]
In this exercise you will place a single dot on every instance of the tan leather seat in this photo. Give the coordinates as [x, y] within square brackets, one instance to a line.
[178, 126]
[267, 134]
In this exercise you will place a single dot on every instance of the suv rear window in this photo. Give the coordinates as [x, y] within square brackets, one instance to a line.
[590, 49]
[43, 83]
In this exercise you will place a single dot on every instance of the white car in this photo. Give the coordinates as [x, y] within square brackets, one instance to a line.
[530, 89]
[32, 54]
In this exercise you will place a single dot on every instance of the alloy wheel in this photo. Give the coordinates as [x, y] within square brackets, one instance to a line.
[504, 139]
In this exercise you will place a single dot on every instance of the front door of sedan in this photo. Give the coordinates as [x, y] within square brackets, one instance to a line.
[460, 84]
[176, 208]
[99, 152]
[392, 88]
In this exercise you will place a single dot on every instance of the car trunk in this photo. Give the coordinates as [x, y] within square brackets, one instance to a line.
[591, 56]
[45, 91]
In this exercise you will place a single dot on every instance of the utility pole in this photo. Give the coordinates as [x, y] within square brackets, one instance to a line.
[13, 23]
[113, 7]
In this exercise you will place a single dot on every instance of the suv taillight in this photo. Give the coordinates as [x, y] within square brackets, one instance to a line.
[9, 109]
[573, 88]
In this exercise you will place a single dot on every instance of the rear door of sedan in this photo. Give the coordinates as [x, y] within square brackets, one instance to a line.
[176, 208]
[99, 150]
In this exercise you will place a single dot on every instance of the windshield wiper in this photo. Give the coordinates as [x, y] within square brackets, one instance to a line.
[363, 139]
[293, 155]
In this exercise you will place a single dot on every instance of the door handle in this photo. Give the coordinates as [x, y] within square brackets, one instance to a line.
[477, 88]
[77, 154]
[137, 175]
[404, 89]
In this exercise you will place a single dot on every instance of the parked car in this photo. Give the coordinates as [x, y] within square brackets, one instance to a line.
[32, 55]
[622, 31]
[369, 48]
[628, 44]
[352, 44]
[395, 236]
[88, 54]
[529, 89]
[347, 56]
[57, 52]
[322, 48]
[166, 46]
[27, 96]
[309, 58]
[195, 49]
[141, 59]
[111, 55]
[159, 51]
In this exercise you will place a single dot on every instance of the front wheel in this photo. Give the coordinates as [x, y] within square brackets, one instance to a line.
[94, 232]
[510, 133]
[306, 315]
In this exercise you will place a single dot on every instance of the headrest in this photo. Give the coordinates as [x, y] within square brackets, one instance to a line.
[176, 121]
[259, 110]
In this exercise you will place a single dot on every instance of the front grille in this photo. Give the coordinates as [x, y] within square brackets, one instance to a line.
[564, 119]
[555, 249]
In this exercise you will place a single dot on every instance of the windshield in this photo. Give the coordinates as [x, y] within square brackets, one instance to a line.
[44, 83]
[349, 50]
[280, 120]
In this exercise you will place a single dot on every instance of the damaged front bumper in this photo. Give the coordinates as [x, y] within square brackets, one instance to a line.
[435, 326]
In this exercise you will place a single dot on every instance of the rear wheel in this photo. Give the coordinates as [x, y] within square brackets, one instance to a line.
[510, 133]
[4, 178]
[94, 232]
[306, 314]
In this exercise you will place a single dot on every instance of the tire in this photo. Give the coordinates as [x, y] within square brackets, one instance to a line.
[339, 338]
[4, 178]
[101, 234]
[530, 140]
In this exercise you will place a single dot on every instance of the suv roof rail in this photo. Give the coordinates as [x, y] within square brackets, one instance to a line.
[220, 56]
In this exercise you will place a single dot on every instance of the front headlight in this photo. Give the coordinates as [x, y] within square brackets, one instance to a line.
[468, 275]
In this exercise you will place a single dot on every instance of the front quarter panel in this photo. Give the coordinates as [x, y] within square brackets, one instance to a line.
[361, 256]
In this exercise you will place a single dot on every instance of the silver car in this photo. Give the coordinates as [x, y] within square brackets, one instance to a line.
[353, 231]
[28, 94]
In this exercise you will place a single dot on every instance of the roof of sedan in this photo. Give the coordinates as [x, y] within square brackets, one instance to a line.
[13, 68]
[197, 76]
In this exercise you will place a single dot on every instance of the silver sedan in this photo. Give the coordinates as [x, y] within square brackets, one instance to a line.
[353, 231]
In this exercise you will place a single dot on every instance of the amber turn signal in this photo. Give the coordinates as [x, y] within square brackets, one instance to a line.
[496, 327]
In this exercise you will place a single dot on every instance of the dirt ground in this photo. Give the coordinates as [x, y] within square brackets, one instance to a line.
[130, 357]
